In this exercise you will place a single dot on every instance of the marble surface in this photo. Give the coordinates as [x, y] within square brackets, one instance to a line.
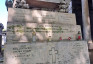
[64, 52]
[22, 32]
[39, 16]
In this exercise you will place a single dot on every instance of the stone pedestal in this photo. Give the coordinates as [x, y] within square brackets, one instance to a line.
[57, 32]
[64, 52]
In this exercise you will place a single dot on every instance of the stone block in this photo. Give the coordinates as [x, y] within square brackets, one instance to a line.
[65, 52]
[26, 27]
[23, 32]
[38, 16]
[42, 37]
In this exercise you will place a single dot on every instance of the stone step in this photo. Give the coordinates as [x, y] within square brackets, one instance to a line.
[38, 16]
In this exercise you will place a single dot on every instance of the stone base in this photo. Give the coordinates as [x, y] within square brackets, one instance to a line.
[39, 16]
[65, 52]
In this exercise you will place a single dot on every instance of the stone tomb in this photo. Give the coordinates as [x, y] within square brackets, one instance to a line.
[39, 16]
[22, 23]
[22, 32]
[65, 52]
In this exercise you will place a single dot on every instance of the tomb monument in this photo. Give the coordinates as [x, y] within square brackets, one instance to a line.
[43, 37]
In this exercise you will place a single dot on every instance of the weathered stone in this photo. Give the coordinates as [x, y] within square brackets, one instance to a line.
[65, 17]
[37, 16]
[42, 37]
[23, 32]
[66, 52]
[44, 27]
[10, 36]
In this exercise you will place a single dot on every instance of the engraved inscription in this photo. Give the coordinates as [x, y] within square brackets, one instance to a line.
[66, 52]
[22, 51]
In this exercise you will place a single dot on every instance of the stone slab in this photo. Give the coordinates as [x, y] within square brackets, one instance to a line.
[23, 32]
[27, 27]
[65, 52]
[38, 16]
[40, 37]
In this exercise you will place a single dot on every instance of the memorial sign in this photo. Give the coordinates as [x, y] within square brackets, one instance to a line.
[43, 32]
[66, 52]
[38, 16]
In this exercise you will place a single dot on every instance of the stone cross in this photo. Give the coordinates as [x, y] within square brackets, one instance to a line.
[53, 52]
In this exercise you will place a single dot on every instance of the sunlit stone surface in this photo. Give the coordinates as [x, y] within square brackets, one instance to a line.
[39, 16]
[43, 37]
[65, 52]
[22, 32]
[54, 25]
